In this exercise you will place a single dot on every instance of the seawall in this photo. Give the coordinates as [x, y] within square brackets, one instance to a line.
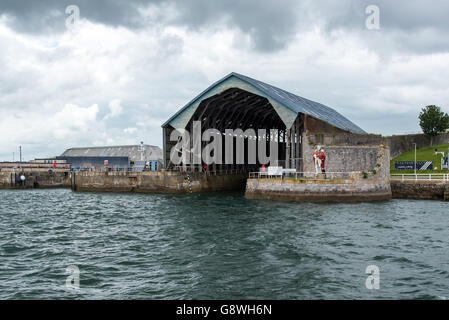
[421, 190]
[40, 179]
[354, 187]
[334, 190]
[156, 182]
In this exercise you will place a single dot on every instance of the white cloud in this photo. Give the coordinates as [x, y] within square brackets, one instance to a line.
[115, 108]
[130, 130]
[48, 132]
[112, 85]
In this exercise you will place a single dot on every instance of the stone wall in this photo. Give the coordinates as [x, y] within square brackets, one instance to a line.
[332, 190]
[346, 138]
[373, 183]
[35, 180]
[312, 124]
[402, 143]
[427, 190]
[156, 182]
[398, 144]
[348, 155]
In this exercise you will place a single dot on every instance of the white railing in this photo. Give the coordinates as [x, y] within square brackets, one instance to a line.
[209, 170]
[420, 176]
[302, 175]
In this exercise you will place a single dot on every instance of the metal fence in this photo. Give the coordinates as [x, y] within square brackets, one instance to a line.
[209, 172]
[112, 169]
[303, 175]
[420, 177]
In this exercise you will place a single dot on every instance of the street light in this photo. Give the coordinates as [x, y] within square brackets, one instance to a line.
[142, 150]
[415, 159]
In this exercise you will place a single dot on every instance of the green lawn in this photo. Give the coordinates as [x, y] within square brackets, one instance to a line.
[423, 154]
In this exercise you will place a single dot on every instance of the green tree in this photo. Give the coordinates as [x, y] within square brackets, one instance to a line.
[433, 121]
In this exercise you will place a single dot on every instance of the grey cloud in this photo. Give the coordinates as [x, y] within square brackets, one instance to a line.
[32, 16]
[415, 26]
[394, 15]
[270, 24]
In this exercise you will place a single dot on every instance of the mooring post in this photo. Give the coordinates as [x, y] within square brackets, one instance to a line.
[73, 181]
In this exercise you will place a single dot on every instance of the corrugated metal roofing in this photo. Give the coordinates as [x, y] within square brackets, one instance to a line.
[133, 152]
[289, 100]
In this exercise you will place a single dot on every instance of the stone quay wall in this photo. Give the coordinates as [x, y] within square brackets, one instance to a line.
[39, 179]
[335, 190]
[156, 182]
[420, 190]
[361, 173]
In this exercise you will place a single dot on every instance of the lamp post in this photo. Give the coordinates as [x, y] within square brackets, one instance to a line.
[415, 160]
[142, 150]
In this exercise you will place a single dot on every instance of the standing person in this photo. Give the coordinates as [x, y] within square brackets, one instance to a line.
[322, 157]
[317, 160]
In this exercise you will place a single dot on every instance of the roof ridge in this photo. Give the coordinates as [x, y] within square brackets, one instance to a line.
[289, 100]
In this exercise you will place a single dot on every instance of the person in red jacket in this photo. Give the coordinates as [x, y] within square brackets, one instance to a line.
[322, 157]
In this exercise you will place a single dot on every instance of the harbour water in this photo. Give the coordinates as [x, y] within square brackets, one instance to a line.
[218, 246]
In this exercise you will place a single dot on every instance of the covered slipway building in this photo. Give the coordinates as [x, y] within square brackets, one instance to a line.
[241, 102]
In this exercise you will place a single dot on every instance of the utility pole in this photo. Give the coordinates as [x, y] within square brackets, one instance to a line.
[13, 157]
[20, 151]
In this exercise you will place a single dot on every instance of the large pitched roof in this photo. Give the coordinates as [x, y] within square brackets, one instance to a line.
[132, 151]
[282, 98]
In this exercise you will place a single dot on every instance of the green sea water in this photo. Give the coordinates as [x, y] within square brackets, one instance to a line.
[218, 246]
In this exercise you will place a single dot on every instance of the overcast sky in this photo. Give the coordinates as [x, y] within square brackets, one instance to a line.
[127, 66]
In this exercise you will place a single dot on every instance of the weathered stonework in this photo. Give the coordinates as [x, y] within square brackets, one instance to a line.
[361, 153]
[402, 143]
[316, 190]
[155, 182]
[366, 177]
[398, 144]
[423, 190]
[42, 179]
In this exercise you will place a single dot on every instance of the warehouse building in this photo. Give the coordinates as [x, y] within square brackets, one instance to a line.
[136, 157]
